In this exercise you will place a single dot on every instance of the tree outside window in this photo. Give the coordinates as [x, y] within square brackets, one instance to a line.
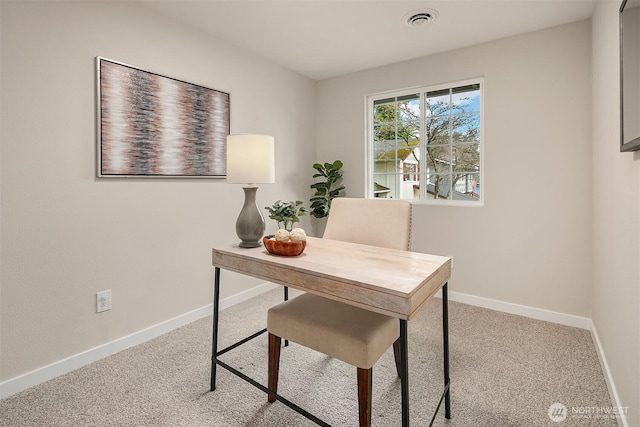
[426, 144]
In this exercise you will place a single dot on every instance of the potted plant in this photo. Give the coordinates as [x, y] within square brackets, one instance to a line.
[286, 213]
[324, 190]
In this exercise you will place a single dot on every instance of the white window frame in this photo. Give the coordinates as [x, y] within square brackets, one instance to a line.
[369, 164]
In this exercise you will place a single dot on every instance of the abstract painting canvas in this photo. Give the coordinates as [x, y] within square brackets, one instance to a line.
[155, 126]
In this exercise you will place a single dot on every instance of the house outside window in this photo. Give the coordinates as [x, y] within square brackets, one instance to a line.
[410, 171]
[425, 144]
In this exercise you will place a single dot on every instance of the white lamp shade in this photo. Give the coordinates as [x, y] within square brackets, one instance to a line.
[250, 159]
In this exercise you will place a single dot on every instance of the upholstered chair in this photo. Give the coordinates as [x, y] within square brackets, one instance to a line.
[351, 334]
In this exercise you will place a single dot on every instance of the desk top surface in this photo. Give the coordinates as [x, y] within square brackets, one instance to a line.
[393, 282]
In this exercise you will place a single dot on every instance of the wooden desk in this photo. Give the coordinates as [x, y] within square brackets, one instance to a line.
[388, 281]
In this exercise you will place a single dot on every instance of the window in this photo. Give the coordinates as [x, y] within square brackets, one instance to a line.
[426, 144]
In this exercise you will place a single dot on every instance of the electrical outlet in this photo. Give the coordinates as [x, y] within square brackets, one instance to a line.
[103, 301]
[451, 261]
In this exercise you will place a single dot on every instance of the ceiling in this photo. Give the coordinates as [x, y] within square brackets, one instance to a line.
[326, 38]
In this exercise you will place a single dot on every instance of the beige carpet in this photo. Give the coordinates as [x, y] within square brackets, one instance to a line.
[506, 370]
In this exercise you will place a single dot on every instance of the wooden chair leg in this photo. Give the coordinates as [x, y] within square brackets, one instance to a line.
[396, 355]
[365, 383]
[274, 365]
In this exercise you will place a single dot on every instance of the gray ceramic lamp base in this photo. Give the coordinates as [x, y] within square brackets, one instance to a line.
[250, 224]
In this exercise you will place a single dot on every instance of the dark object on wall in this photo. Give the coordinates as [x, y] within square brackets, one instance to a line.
[630, 75]
[155, 126]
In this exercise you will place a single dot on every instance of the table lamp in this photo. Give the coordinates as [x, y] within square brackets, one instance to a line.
[250, 161]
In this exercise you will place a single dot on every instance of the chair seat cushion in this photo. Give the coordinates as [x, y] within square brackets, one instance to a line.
[354, 335]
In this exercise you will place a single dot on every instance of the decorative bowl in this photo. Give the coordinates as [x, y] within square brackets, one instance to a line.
[283, 248]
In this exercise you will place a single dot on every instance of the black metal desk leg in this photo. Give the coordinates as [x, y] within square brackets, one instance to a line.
[445, 345]
[216, 310]
[286, 298]
[404, 372]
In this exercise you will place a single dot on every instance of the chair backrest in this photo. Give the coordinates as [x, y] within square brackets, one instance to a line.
[378, 222]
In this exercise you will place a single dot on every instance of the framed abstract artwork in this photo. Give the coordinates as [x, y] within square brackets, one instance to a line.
[150, 125]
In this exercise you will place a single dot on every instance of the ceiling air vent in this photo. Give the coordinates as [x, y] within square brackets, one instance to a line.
[421, 17]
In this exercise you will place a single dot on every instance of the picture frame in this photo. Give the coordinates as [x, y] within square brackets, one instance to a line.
[154, 126]
[630, 75]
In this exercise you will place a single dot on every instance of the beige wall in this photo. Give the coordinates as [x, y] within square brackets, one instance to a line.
[568, 242]
[530, 242]
[67, 235]
[616, 218]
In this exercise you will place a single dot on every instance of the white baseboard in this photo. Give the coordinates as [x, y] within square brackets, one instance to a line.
[53, 370]
[553, 317]
[521, 310]
[613, 393]
[40, 375]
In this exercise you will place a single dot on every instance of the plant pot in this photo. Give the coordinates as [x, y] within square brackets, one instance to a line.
[317, 226]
